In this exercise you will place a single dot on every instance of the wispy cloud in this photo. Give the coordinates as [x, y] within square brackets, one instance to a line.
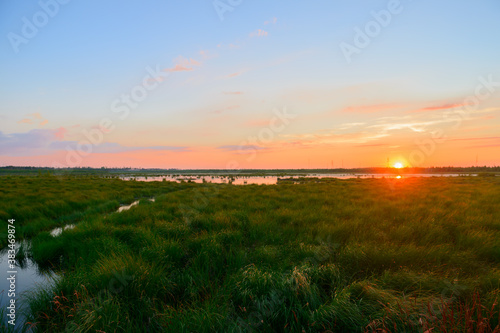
[60, 133]
[230, 46]
[34, 118]
[112, 147]
[178, 68]
[488, 110]
[48, 141]
[259, 33]
[439, 107]
[335, 137]
[206, 54]
[271, 21]
[364, 134]
[23, 144]
[233, 75]
[350, 125]
[183, 64]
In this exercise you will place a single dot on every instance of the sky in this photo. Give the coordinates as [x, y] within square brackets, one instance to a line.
[249, 84]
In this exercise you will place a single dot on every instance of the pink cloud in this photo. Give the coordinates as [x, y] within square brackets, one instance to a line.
[205, 54]
[259, 33]
[60, 133]
[155, 79]
[183, 64]
[32, 118]
[234, 74]
[272, 21]
[178, 68]
[36, 115]
[180, 60]
[439, 107]
[230, 46]
[194, 62]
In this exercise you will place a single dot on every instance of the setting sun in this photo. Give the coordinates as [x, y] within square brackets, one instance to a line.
[398, 165]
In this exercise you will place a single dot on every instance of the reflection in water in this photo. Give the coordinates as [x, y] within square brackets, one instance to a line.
[127, 207]
[271, 180]
[28, 278]
[28, 275]
[57, 231]
[122, 208]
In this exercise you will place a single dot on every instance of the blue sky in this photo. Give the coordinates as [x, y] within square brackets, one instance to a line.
[223, 78]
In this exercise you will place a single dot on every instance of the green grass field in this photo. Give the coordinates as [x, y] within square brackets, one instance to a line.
[357, 255]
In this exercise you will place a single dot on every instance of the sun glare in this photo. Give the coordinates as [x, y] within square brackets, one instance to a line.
[398, 165]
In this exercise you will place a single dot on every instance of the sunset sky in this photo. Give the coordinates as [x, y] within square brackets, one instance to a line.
[256, 84]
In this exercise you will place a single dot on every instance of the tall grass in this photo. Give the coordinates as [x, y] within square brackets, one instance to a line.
[45, 202]
[414, 255]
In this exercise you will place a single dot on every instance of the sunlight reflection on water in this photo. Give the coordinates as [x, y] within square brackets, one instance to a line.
[271, 180]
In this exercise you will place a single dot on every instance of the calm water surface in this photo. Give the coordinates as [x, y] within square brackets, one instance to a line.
[273, 180]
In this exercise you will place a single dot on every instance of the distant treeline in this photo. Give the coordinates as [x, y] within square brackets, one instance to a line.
[16, 170]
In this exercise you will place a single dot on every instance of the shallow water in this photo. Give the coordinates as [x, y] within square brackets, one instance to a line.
[57, 231]
[123, 208]
[273, 180]
[28, 277]
[127, 207]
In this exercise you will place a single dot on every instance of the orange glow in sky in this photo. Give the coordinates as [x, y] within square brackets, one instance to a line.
[267, 86]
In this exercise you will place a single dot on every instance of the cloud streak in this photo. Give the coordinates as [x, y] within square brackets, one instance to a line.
[34, 118]
[48, 141]
[440, 107]
[233, 75]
